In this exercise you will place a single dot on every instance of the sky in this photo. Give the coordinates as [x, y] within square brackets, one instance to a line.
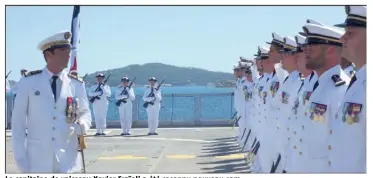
[207, 37]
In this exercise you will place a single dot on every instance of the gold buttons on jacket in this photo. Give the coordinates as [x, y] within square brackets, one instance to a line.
[294, 147]
[329, 147]
[330, 132]
[54, 118]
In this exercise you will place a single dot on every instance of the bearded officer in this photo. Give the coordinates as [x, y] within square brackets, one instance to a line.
[349, 135]
[154, 96]
[125, 95]
[49, 103]
[100, 92]
[323, 52]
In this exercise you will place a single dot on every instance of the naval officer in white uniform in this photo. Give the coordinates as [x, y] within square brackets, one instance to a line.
[348, 140]
[323, 52]
[53, 106]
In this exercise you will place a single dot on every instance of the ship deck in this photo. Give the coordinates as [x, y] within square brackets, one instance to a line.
[174, 150]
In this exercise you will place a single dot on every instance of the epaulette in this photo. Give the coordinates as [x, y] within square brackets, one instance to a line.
[31, 73]
[76, 78]
[337, 80]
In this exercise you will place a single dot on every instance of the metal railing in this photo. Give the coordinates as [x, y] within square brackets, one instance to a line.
[213, 109]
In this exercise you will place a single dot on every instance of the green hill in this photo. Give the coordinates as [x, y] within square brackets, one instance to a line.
[177, 76]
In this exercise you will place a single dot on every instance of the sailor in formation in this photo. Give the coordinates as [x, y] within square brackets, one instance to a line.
[99, 94]
[247, 89]
[307, 111]
[53, 106]
[153, 97]
[125, 96]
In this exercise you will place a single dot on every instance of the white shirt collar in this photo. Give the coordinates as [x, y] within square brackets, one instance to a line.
[361, 74]
[50, 74]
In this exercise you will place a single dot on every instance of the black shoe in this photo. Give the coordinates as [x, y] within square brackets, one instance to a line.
[150, 133]
[122, 134]
[103, 134]
[155, 133]
[97, 134]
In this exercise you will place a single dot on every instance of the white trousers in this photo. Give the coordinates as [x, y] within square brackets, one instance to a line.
[100, 111]
[153, 116]
[125, 114]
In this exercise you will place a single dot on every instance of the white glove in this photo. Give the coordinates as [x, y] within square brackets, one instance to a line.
[79, 129]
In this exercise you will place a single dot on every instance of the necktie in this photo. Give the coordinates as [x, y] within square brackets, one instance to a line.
[286, 79]
[54, 86]
[301, 86]
[353, 79]
[315, 86]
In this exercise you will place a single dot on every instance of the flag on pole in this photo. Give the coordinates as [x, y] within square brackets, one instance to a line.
[75, 27]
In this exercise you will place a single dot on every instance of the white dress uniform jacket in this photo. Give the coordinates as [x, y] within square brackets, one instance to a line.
[100, 106]
[324, 104]
[298, 158]
[125, 109]
[348, 140]
[286, 98]
[257, 120]
[153, 110]
[51, 143]
[241, 107]
[248, 88]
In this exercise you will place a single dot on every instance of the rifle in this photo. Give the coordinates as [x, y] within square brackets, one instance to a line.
[85, 76]
[8, 74]
[98, 88]
[124, 100]
[145, 105]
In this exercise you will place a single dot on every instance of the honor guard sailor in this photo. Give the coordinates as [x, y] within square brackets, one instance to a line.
[349, 134]
[323, 52]
[53, 106]
[125, 95]
[99, 94]
[153, 95]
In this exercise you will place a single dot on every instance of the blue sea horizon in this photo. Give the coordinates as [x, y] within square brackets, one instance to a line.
[178, 103]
